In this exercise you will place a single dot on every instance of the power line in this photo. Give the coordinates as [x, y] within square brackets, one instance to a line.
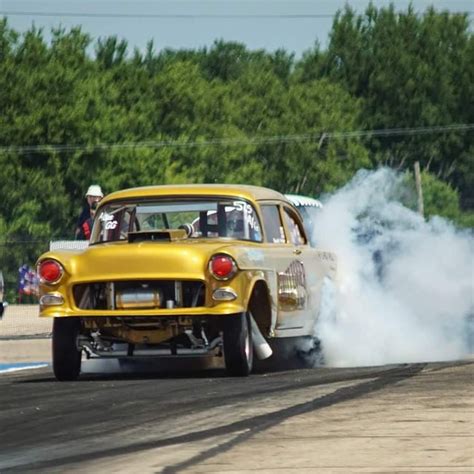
[242, 16]
[170, 15]
[316, 137]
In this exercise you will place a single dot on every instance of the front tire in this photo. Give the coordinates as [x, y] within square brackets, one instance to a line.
[238, 348]
[66, 355]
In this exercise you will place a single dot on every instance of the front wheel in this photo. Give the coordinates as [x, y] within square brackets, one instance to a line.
[238, 349]
[66, 355]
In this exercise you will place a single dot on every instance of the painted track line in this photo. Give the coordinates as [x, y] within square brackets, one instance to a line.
[9, 368]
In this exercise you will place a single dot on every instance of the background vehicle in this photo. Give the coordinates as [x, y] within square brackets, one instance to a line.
[184, 271]
[3, 304]
[308, 208]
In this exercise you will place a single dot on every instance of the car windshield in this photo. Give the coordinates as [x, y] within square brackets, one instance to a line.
[207, 218]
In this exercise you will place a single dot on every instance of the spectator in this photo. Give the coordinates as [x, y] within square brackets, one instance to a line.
[93, 194]
[86, 228]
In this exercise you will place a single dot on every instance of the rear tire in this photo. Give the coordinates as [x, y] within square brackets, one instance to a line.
[309, 353]
[300, 352]
[66, 356]
[238, 348]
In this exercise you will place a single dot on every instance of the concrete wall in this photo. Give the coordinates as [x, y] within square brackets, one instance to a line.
[23, 321]
[24, 336]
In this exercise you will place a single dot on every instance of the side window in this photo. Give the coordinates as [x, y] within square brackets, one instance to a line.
[296, 233]
[272, 223]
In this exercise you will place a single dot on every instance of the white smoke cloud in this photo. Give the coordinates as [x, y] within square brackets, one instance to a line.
[405, 290]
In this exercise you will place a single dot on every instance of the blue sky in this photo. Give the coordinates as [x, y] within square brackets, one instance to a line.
[295, 34]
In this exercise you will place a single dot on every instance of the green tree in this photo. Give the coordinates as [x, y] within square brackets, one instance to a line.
[410, 70]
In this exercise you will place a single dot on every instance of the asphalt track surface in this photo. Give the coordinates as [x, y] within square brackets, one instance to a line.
[47, 426]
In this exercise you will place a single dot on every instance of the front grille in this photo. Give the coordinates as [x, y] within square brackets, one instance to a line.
[136, 295]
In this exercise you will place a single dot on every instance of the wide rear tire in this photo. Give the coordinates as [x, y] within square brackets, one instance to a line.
[238, 348]
[66, 356]
[302, 352]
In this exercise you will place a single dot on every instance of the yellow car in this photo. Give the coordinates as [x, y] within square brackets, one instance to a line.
[186, 270]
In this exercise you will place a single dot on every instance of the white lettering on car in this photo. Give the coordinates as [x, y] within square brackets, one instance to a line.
[104, 217]
[111, 225]
[247, 209]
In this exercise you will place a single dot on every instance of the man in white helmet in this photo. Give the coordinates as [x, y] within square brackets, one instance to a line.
[93, 195]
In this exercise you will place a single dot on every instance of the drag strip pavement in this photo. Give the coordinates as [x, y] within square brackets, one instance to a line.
[49, 426]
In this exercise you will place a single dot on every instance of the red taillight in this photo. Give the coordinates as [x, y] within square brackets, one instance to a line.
[222, 267]
[50, 271]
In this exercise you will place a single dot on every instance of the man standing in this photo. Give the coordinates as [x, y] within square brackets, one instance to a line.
[86, 228]
[94, 194]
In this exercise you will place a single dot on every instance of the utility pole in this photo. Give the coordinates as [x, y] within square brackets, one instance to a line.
[419, 188]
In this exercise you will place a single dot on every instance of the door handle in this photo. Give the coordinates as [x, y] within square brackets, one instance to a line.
[297, 251]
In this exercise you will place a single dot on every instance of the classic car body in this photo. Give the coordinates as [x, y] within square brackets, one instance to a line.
[184, 271]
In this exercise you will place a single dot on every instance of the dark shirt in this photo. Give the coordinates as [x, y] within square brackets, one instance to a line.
[85, 214]
[86, 228]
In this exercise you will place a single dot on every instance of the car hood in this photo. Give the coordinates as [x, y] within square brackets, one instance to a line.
[171, 260]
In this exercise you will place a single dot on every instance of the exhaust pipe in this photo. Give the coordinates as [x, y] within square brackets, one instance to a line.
[260, 345]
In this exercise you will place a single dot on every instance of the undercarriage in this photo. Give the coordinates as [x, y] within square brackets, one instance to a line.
[235, 337]
[149, 337]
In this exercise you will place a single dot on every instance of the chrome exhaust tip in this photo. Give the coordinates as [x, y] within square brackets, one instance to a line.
[261, 347]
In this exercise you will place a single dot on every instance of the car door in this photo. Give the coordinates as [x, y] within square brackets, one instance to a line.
[305, 275]
[277, 259]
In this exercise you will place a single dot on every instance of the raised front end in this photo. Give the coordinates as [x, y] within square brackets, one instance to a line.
[159, 278]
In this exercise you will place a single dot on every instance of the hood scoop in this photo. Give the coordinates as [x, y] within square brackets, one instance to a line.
[166, 235]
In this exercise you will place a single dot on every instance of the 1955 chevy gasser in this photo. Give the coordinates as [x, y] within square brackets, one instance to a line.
[181, 271]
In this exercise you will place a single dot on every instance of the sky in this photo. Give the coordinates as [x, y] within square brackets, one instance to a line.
[259, 24]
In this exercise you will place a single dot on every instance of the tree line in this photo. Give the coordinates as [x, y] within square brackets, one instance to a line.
[122, 118]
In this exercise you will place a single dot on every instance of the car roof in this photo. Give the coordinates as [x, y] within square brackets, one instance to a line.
[252, 193]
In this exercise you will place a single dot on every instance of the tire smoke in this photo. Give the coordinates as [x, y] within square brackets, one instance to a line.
[405, 285]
